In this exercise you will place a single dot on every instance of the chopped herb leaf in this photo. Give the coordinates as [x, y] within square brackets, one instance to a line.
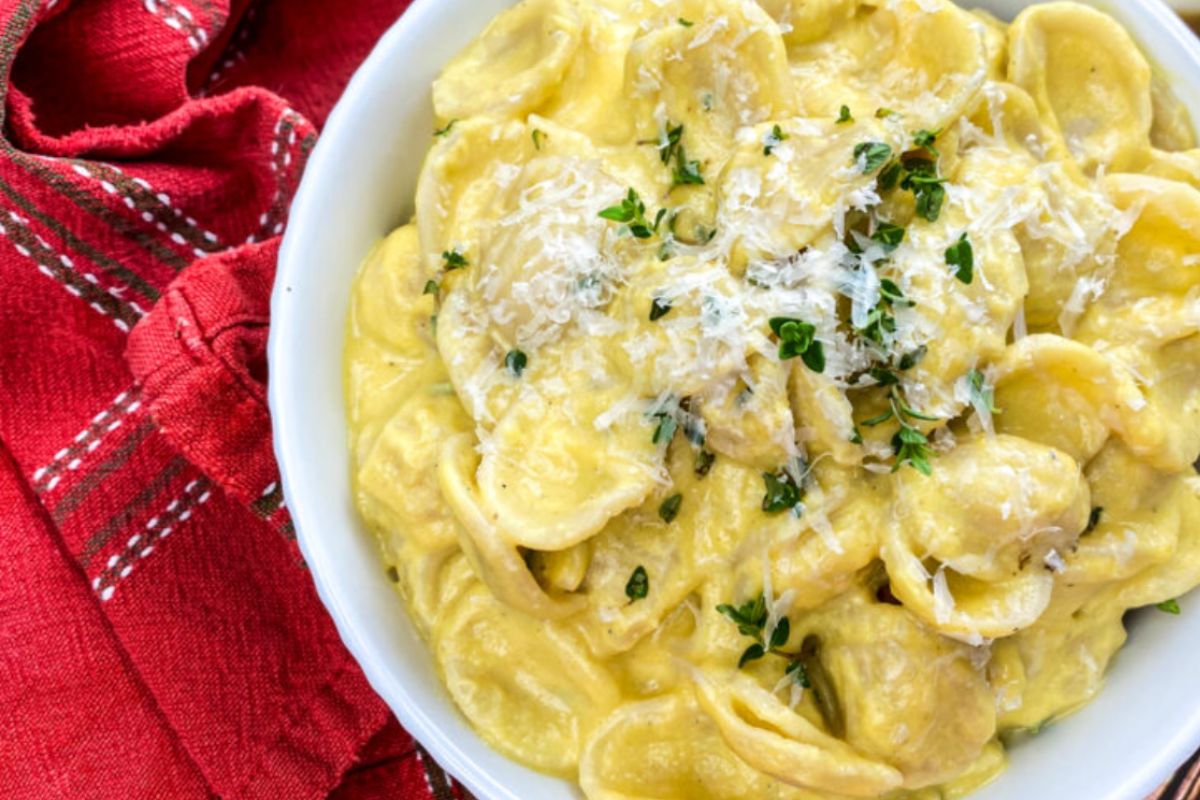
[443, 131]
[704, 462]
[1169, 606]
[668, 142]
[638, 585]
[890, 176]
[856, 438]
[665, 430]
[882, 418]
[687, 23]
[753, 653]
[872, 155]
[538, 136]
[929, 202]
[687, 173]
[750, 617]
[751, 620]
[889, 236]
[912, 358]
[659, 308]
[454, 260]
[922, 180]
[393, 574]
[883, 113]
[782, 493]
[779, 636]
[912, 447]
[982, 395]
[797, 338]
[632, 212]
[844, 116]
[796, 670]
[775, 138]
[670, 147]
[1094, 519]
[961, 256]
[670, 508]
[431, 287]
[926, 140]
[515, 361]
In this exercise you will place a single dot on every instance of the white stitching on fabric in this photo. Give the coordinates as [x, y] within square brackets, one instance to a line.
[142, 544]
[88, 440]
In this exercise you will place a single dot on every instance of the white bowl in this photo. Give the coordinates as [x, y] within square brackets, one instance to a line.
[358, 186]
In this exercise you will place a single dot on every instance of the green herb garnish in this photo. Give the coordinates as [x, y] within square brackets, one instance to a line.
[888, 235]
[982, 395]
[659, 308]
[431, 287]
[883, 113]
[454, 260]
[638, 585]
[515, 361]
[668, 142]
[751, 620]
[687, 23]
[632, 212]
[670, 146]
[872, 155]
[665, 430]
[687, 173]
[443, 131]
[782, 492]
[670, 507]
[796, 670]
[911, 447]
[844, 116]
[775, 138]
[926, 140]
[704, 462]
[912, 358]
[538, 136]
[798, 338]
[921, 178]
[881, 322]
[961, 256]
[1169, 606]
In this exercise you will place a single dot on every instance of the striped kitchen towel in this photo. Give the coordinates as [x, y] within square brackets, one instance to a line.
[159, 636]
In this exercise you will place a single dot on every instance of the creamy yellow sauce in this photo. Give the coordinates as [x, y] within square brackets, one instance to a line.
[840, 471]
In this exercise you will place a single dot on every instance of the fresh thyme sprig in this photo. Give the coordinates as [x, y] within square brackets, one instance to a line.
[751, 619]
[685, 172]
[914, 171]
[773, 139]
[910, 445]
[632, 214]
[798, 338]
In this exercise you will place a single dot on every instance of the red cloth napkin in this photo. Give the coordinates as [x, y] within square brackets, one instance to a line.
[159, 635]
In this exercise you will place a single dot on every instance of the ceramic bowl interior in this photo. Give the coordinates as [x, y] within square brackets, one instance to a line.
[359, 185]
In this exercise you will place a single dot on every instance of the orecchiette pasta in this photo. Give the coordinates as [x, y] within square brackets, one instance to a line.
[784, 400]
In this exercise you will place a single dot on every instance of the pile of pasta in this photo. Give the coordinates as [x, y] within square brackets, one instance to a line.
[785, 399]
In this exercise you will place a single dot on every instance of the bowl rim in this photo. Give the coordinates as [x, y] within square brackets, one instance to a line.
[404, 701]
